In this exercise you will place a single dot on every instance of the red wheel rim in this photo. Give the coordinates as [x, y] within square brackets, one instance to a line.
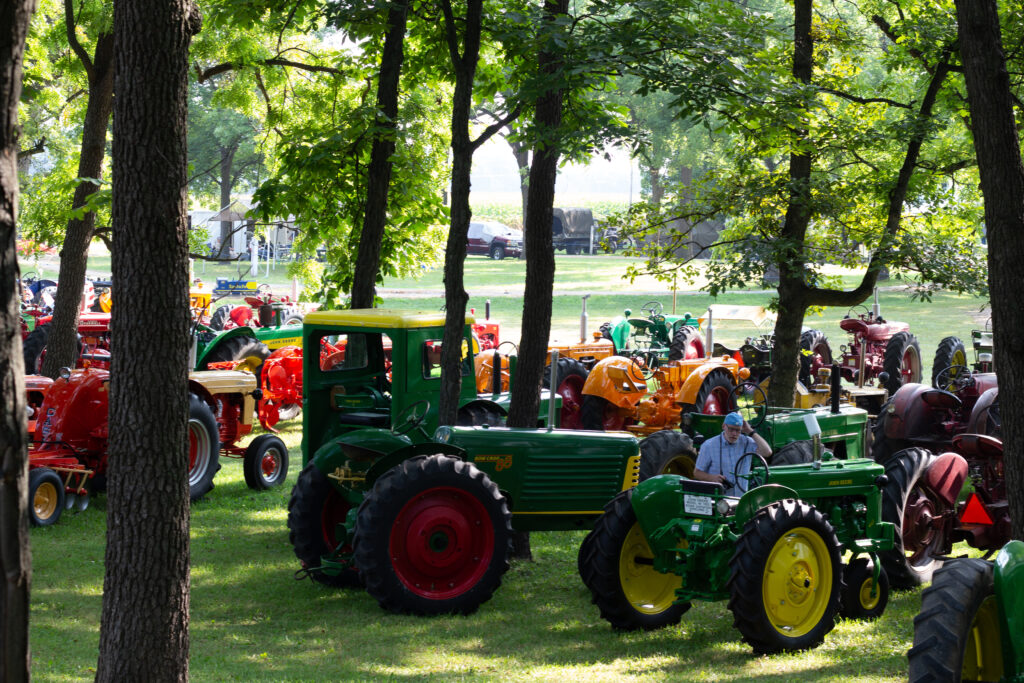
[571, 391]
[270, 464]
[908, 366]
[442, 542]
[612, 420]
[717, 402]
[694, 349]
[918, 532]
[334, 512]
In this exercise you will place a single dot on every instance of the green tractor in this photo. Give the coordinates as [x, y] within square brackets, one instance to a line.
[775, 553]
[971, 623]
[657, 337]
[421, 515]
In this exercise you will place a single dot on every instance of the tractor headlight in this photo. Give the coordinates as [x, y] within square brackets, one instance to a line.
[443, 434]
[725, 506]
[65, 373]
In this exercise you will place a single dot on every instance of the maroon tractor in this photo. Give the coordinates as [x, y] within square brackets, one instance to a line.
[879, 346]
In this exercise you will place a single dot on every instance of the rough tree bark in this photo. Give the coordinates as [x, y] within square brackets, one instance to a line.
[144, 627]
[1002, 184]
[15, 555]
[62, 344]
[540, 256]
[379, 175]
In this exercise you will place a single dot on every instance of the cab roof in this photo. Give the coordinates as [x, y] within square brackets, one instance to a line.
[379, 317]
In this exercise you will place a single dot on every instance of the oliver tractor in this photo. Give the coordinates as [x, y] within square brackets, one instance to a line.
[657, 337]
[971, 623]
[879, 346]
[776, 553]
[68, 458]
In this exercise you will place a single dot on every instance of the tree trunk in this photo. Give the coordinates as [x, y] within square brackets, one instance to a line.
[62, 344]
[227, 158]
[522, 154]
[455, 296]
[15, 555]
[657, 188]
[1002, 184]
[144, 627]
[540, 256]
[379, 173]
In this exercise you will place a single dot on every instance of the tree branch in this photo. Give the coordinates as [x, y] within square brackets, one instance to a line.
[76, 47]
[202, 75]
[865, 100]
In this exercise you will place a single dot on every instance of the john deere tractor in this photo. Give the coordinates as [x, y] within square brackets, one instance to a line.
[775, 553]
[420, 514]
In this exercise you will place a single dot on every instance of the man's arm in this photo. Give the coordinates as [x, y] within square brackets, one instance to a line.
[763, 449]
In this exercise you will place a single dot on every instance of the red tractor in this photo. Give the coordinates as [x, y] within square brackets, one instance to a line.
[266, 309]
[879, 346]
[69, 454]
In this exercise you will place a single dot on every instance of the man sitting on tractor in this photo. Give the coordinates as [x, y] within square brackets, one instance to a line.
[720, 455]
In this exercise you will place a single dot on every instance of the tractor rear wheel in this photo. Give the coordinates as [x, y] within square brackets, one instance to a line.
[883, 447]
[315, 511]
[715, 396]
[602, 415]
[957, 633]
[238, 349]
[667, 452]
[478, 414]
[221, 316]
[432, 537]
[908, 505]
[950, 352]
[33, 347]
[686, 344]
[902, 361]
[266, 462]
[45, 495]
[815, 354]
[862, 599]
[622, 580]
[785, 578]
[571, 376]
[203, 448]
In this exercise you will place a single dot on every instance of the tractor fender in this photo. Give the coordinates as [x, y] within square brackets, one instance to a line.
[656, 502]
[945, 477]
[909, 413]
[359, 449]
[759, 497]
[411, 451]
[491, 405]
[617, 380]
[1008, 575]
[619, 330]
[980, 409]
[220, 338]
[687, 393]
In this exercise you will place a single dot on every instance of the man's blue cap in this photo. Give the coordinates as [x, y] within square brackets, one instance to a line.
[734, 419]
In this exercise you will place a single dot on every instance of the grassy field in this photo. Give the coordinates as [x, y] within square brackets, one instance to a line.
[251, 620]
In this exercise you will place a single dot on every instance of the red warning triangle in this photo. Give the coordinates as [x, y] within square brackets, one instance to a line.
[975, 512]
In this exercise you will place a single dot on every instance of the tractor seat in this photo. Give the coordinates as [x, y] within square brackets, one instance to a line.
[365, 419]
[704, 488]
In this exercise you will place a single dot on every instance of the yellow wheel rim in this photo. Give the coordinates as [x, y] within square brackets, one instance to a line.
[44, 503]
[681, 464]
[983, 655]
[797, 583]
[647, 590]
[867, 601]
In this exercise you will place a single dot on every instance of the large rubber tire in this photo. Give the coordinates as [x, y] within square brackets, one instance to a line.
[314, 511]
[667, 452]
[479, 414]
[950, 352]
[432, 537]
[221, 316]
[606, 333]
[883, 448]
[33, 347]
[902, 361]
[627, 590]
[265, 463]
[786, 578]
[815, 354]
[906, 505]
[600, 414]
[203, 448]
[45, 496]
[957, 632]
[497, 252]
[291, 316]
[238, 349]
[686, 343]
[571, 376]
[715, 396]
[858, 602]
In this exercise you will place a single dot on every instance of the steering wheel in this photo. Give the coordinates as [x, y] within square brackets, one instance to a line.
[264, 288]
[955, 378]
[410, 417]
[652, 308]
[515, 349]
[753, 476]
[858, 311]
[751, 402]
[641, 367]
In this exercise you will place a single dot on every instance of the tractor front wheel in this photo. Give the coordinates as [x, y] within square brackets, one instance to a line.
[571, 376]
[815, 353]
[907, 504]
[902, 361]
[715, 396]
[862, 597]
[266, 462]
[957, 632]
[45, 496]
[620, 573]
[221, 317]
[785, 578]
[602, 415]
[432, 537]
[667, 452]
[203, 448]
[33, 347]
[950, 353]
[686, 344]
[315, 513]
